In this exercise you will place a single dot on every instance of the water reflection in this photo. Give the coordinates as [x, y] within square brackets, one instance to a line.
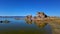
[38, 23]
[44, 27]
[28, 21]
[41, 25]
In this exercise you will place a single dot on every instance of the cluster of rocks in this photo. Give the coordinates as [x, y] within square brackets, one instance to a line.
[40, 15]
[4, 21]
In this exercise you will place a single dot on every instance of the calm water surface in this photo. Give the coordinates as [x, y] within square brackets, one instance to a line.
[22, 27]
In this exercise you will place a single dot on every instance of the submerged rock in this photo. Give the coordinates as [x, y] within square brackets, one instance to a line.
[1, 21]
[4, 21]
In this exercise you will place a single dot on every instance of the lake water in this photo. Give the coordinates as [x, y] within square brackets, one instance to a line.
[22, 27]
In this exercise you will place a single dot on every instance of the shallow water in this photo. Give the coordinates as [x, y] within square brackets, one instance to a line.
[22, 27]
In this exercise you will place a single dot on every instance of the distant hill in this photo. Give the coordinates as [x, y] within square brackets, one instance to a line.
[12, 16]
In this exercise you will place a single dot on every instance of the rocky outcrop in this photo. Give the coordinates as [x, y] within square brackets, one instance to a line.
[39, 16]
[28, 17]
[5, 21]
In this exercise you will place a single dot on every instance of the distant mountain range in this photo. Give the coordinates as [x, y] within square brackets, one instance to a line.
[12, 16]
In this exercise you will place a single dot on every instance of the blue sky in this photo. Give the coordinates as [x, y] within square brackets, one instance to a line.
[26, 7]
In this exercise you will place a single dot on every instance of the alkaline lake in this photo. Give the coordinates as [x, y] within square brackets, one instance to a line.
[22, 27]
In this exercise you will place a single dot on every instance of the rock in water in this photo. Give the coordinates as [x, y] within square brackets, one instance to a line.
[6, 21]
